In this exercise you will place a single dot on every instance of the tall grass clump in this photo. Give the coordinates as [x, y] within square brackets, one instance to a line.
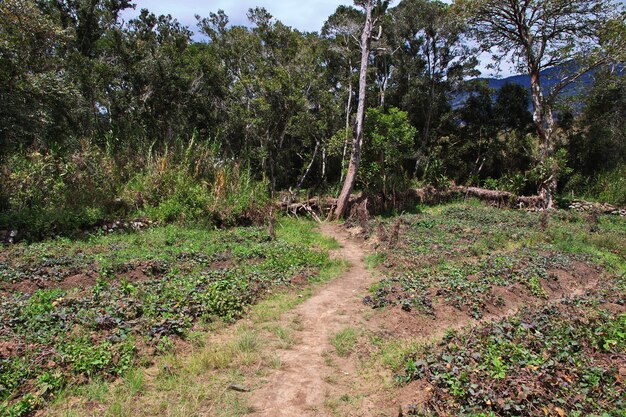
[607, 187]
[45, 193]
[192, 184]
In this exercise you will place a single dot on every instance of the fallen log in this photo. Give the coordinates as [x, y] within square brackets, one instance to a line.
[321, 206]
[599, 208]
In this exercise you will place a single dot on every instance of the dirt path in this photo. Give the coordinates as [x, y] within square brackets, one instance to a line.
[303, 384]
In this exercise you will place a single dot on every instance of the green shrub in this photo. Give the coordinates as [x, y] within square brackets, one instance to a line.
[45, 194]
[86, 357]
[390, 137]
[85, 178]
[169, 191]
[23, 407]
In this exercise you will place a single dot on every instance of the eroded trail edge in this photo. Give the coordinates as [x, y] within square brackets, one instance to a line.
[303, 383]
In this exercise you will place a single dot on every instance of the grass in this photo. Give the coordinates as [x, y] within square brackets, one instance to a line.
[344, 341]
[191, 284]
[284, 335]
[299, 232]
[375, 259]
[392, 353]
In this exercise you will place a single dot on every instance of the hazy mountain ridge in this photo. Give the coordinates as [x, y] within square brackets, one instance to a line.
[549, 78]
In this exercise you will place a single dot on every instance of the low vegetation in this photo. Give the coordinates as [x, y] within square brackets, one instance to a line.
[344, 341]
[142, 168]
[72, 311]
[566, 359]
[549, 297]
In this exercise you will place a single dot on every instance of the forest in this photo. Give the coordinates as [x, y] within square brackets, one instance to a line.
[105, 119]
[177, 203]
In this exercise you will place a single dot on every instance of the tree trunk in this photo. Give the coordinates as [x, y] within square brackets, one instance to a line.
[429, 110]
[308, 168]
[355, 157]
[324, 165]
[348, 113]
[383, 88]
[544, 123]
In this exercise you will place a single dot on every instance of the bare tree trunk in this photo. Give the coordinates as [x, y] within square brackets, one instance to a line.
[355, 157]
[348, 113]
[544, 123]
[324, 165]
[383, 88]
[429, 110]
[308, 168]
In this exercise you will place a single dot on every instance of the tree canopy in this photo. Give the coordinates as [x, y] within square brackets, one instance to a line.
[291, 109]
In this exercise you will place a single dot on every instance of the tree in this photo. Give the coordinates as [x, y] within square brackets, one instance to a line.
[90, 22]
[357, 143]
[341, 29]
[390, 138]
[511, 108]
[479, 131]
[599, 143]
[275, 96]
[433, 60]
[150, 78]
[539, 34]
[38, 99]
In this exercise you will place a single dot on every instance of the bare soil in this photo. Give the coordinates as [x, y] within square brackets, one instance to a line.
[312, 375]
[304, 384]
[79, 278]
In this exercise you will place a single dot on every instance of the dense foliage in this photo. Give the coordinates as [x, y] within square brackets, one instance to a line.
[93, 108]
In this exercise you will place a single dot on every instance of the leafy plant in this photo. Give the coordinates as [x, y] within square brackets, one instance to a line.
[148, 288]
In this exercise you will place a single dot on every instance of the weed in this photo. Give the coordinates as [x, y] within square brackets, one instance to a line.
[246, 342]
[285, 336]
[375, 259]
[478, 366]
[535, 287]
[344, 341]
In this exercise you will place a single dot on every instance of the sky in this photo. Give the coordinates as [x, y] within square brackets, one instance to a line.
[305, 15]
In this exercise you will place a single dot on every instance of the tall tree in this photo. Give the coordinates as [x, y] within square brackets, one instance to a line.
[355, 157]
[90, 23]
[38, 98]
[149, 77]
[434, 60]
[275, 78]
[342, 31]
[539, 34]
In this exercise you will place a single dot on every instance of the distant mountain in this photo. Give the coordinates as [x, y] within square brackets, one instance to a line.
[549, 78]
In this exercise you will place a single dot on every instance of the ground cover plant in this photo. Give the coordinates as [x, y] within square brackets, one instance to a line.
[568, 359]
[467, 255]
[550, 296]
[74, 310]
